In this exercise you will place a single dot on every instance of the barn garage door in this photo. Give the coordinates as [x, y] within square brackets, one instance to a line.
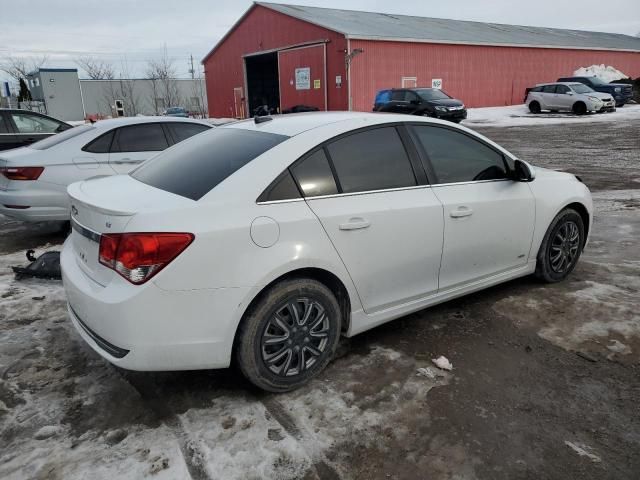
[302, 74]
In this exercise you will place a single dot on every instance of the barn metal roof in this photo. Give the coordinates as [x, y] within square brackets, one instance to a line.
[382, 26]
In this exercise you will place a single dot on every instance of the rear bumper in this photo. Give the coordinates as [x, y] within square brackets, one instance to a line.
[42, 204]
[146, 328]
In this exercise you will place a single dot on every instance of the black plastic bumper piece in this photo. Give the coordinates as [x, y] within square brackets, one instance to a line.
[110, 348]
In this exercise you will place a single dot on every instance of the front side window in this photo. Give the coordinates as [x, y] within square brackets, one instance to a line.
[371, 160]
[27, 123]
[314, 175]
[140, 138]
[457, 157]
[191, 169]
[432, 94]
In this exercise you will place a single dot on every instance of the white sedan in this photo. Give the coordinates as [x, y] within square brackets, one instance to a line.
[261, 242]
[34, 179]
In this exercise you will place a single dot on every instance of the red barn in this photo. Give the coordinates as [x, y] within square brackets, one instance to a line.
[285, 55]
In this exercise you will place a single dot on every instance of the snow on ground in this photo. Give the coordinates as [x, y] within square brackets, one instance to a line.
[519, 115]
[606, 317]
[606, 73]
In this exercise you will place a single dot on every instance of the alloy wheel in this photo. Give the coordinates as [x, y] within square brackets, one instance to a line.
[295, 337]
[564, 247]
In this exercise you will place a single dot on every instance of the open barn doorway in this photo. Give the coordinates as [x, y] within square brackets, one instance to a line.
[262, 82]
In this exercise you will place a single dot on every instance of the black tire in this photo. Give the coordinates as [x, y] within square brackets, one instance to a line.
[289, 361]
[534, 107]
[579, 108]
[565, 224]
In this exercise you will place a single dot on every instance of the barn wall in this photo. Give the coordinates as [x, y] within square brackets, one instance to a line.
[263, 29]
[480, 76]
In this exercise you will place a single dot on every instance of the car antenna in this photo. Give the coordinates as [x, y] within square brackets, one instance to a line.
[264, 119]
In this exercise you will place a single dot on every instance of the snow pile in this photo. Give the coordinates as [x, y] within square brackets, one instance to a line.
[519, 115]
[605, 73]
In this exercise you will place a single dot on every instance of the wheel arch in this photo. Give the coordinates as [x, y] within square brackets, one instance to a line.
[327, 278]
[584, 214]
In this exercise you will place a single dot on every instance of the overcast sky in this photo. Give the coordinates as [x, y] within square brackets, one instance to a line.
[115, 30]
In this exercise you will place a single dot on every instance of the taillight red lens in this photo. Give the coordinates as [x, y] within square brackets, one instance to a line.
[139, 256]
[22, 173]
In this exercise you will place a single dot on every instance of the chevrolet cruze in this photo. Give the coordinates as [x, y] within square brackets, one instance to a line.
[261, 242]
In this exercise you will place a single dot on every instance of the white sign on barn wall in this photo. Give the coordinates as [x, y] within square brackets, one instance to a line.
[436, 83]
[303, 78]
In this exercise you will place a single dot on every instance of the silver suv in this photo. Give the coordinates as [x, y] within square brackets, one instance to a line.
[568, 96]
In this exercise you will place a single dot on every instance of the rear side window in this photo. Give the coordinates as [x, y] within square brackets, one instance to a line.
[140, 138]
[398, 95]
[182, 131]
[549, 89]
[192, 169]
[102, 144]
[314, 175]
[283, 188]
[371, 160]
[562, 89]
[457, 157]
[383, 96]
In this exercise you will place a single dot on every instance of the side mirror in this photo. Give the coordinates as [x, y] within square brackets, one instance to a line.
[570, 92]
[522, 172]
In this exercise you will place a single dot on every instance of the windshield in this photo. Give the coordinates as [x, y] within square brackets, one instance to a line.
[194, 167]
[175, 110]
[597, 81]
[580, 88]
[61, 137]
[432, 94]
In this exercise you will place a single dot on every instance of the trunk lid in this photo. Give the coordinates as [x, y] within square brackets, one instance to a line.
[106, 205]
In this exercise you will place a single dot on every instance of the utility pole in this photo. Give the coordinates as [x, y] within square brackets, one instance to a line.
[192, 71]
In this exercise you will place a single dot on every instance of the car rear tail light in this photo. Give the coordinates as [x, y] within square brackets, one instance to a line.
[139, 256]
[22, 173]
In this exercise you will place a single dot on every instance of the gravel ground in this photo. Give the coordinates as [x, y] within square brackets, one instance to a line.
[544, 385]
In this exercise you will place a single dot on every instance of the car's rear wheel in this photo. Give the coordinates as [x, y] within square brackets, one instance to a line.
[289, 335]
[534, 107]
[579, 108]
[561, 247]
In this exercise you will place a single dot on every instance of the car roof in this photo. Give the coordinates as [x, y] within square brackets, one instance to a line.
[121, 121]
[558, 83]
[296, 123]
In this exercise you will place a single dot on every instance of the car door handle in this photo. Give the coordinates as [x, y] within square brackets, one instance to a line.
[355, 224]
[461, 212]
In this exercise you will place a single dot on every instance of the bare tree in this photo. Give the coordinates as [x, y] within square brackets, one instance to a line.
[129, 93]
[20, 67]
[199, 92]
[96, 69]
[162, 73]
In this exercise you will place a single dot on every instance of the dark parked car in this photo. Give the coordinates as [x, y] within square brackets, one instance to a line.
[23, 127]
[429, 102]
[620, 92]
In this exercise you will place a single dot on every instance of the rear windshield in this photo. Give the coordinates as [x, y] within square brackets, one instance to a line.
[61, 137]
[194, 167]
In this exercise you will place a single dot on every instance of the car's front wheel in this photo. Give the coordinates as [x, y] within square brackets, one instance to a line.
[579, 108]
[289, 335]
[561, 247]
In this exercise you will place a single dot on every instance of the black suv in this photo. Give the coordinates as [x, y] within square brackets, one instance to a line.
[430, 102]
[19, 128]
